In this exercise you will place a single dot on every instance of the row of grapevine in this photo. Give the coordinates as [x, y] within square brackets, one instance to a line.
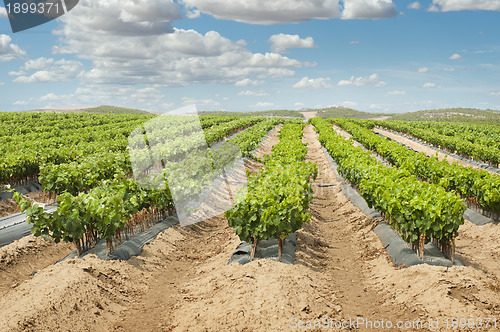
[473, 141]
[419, 211]
[21, 155]
[87, 172]
[118, 208]
[276, 200]
[479, 187]
[20, 124]
[22, 158]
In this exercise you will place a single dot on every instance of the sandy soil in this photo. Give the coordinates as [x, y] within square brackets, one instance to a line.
[425, 149]
[22, 259]
[9, 206]
[181, 281]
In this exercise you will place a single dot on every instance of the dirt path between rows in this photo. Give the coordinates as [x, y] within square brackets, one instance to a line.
[309, 115]
[425, 149]
[22, 259]
[348, 246]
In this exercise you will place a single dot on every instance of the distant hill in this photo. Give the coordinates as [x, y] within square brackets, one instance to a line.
[349, 113]
[451, 115]
[98, 109]
[114, 110]
[446, 115]
[279, 113]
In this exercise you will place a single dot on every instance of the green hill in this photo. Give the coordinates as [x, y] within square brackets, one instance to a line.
[114, 110]
[451, 115]
[348, 113]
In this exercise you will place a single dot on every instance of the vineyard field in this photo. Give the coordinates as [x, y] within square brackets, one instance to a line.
[112, 176]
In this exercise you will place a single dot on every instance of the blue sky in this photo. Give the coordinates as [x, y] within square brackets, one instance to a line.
[248, 55]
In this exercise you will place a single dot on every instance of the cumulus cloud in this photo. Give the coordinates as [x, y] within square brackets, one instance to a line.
[423, 70]
[373, 79]
[368, 9]
[263, 104]
[455, 56]
[495, 94]
[349, 104]
[195, 13]
[48, 70]
[281, 42]
[456, 5]
[429, 85]
[49, 97]
[449, 69]
[250, 93]
[9, 51]
[313, 83]
[146, 98]
[248, 82]
[396, 93]
[200, 103]
[130, 17]
[414, 5]
[354, 42]
[177, 58]
[267, 12]
[3, 13]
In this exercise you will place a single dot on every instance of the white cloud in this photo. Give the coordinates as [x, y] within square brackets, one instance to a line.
[423, 70]
[2, 83]
[495, 94]
[3, 13]
[449, 69]
[354, 42]
[267, 12]
[193, 13]
[313, 83]
[396, 93]
[299, 104]
[200, 103]
[48, 70]
[248, 82]
[281, 42]
[368, 9]
[429, 85]
[455, 56]
[178, 58]
[414, 5]
[250, 93]
[20, 102]
[456, 5]
[373, 79]
[147, 98]
[264, 104]
[349, 104]
[9, 51]
[130, 17]
[49, 97]
[433, 9]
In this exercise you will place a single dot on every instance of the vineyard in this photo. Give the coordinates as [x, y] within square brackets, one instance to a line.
[112, 177]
